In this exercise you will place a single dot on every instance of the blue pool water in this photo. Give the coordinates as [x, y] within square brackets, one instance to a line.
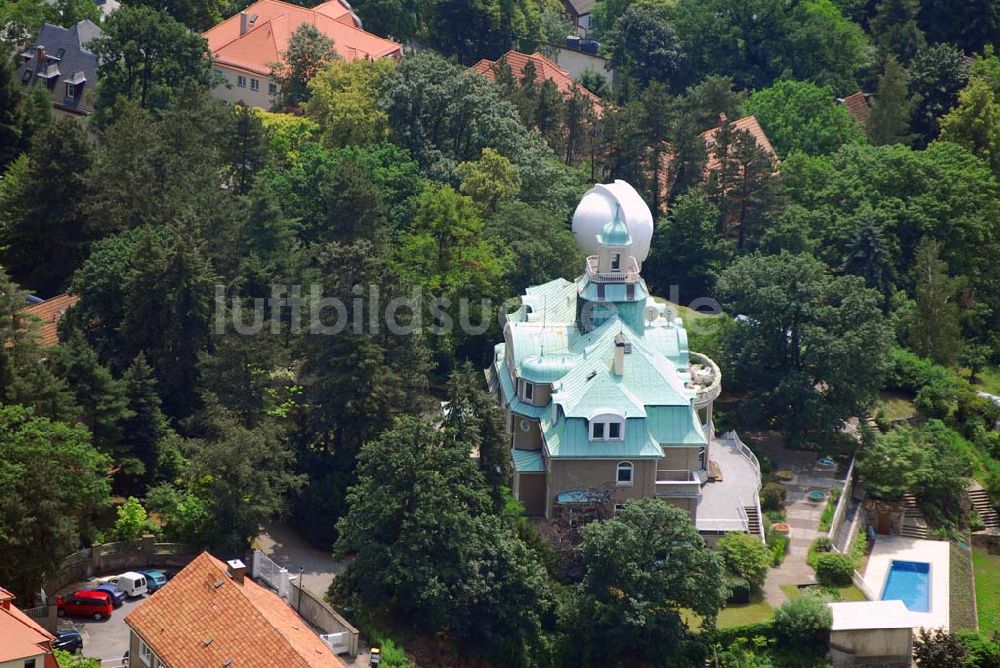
[909, 582]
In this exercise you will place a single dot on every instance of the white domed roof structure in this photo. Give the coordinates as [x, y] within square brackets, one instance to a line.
[597, 208]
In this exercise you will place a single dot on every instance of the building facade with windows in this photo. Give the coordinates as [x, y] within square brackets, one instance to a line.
[604, 401]
[62, 62]
[246, 45]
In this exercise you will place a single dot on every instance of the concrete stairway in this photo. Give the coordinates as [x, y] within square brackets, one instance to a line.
[981, 502]
[914, 524]
[754, 520]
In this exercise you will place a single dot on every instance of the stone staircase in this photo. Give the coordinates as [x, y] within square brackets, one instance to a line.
[754, 520]
[981, 502]
[914, 524]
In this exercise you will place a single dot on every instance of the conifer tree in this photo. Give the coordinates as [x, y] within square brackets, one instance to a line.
[10, 94]
[889, 119]
[146, 427]
[934, 329]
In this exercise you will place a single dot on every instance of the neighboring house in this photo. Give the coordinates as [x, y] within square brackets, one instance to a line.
[871, 633]
[108, 7]
[859, 106]
[579, 13]
[545, 70]
[23, 642]
[603, 400]
[61, 61]
[246, 45]
[211, 615]
[47, 314]
[748, 124]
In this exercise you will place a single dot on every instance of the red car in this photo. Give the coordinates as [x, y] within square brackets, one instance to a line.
[96, 604]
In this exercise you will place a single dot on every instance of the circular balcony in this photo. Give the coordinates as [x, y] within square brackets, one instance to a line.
[706, 379]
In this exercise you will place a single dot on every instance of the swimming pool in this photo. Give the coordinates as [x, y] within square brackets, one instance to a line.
[909, 582]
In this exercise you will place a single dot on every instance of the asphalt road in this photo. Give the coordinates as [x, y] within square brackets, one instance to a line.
[107, 639]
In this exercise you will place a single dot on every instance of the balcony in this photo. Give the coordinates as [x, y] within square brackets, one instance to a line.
[677, 483]
[706, 379]
[629, 272]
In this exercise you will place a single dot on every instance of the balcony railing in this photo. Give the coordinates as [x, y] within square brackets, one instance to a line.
[628, 273]
[706, 393]
[677, 483]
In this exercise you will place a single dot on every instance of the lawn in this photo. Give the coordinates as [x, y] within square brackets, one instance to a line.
[735, 614]
[987, 565]
[989, 380]
[896, 406]
[848, 593]
[962, 615]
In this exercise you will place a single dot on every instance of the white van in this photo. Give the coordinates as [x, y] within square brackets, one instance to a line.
[131, 583]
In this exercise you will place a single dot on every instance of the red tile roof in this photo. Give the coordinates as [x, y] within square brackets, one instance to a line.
[857, 105]
[47, 316]
[545, 70]
[201, 617]
[267, 38]
[20, 636]
[748, 123]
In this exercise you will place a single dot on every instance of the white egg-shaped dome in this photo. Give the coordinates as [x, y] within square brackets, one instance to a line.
[597, 208]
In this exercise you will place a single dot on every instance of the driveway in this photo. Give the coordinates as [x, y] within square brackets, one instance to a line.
[286, 547]
[107, 639]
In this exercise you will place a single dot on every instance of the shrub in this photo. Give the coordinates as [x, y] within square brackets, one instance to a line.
[833, 569]
[823, 544]
[779, 548]
[746, 557]
[981, 652]
[858, 548]
[938, 649]
[806, 619]
[739, 590]
[772, 496]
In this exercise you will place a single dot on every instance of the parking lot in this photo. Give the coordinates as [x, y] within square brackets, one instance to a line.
[106, 639]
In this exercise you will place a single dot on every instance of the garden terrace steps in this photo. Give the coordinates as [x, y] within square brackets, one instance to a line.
[981, 502]
[914, 524]
[753, 520]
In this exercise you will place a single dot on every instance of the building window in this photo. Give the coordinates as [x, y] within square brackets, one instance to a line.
[614, 430]
[272, 89]
[607, 427]
[529, 390]
[145, 653]
[255, 84]
[525, 426]
[26, 77]
[616, 261]
[597, 430]
[619, 507]
[241, 81]
[624, 473]
[29, 663]
[70, 90]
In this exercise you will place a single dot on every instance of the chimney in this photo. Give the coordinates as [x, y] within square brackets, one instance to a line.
[237, 569]
[40, 56]
[722, 118]
[619, 354]
[244, 22]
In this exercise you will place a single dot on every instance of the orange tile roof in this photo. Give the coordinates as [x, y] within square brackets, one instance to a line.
[201, 617]
[22, 637]
[748, 123]
[857, 105]
[268, 37]
[47, 314]
[545, 70]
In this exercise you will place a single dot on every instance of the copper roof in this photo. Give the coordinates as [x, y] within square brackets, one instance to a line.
[202, 617]
[47, 314]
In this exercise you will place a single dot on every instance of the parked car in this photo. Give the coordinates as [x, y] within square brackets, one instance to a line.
[131, 583]
[68, 641]
[154, 580]
[83, 603]
[117, 597]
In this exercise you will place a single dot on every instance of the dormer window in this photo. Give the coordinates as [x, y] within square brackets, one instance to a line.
[607, 427]
[70, 90]
[527, 391]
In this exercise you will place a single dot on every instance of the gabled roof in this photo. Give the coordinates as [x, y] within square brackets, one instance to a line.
[22, 637]
[202, 617]
[747, 123]
[857, 105]
[47, 314]
[68, 60]
[267, 38]
[580, 7]
[545, 70]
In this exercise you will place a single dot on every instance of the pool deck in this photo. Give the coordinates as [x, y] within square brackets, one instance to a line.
[935, 552]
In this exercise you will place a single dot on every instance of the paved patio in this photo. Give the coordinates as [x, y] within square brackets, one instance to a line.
[720, 500]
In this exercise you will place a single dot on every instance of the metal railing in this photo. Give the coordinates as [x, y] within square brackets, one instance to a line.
[75, 558]
[746, 452]
[629, 273]
[120, 546]
[675, 475]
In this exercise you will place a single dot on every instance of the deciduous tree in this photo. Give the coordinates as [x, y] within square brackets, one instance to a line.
[307, 52]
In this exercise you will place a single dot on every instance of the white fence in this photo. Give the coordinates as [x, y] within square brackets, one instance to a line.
[340, 643]
[271, 572]
[842, 503]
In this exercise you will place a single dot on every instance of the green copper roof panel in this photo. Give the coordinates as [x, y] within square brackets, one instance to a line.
[547, 367]
[615, 232]
[674, 425]
[528, 461]
[570, 439]
[598, 392]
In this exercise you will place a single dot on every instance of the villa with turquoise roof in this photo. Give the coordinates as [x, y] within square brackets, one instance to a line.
[603, 400]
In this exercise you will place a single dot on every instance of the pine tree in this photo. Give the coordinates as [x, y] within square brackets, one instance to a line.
[35, 114]
[935, 329]
[896, 30]
[10, 95]
[889, 119]
[146, 428]
[247, 153]
[867, 257]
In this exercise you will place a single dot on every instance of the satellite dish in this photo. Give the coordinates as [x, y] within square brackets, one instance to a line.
[651, 313]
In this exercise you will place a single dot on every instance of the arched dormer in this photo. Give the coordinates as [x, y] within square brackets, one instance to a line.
[606, 425]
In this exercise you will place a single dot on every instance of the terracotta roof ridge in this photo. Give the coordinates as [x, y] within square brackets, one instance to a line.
[219, 564]
[17, 614]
